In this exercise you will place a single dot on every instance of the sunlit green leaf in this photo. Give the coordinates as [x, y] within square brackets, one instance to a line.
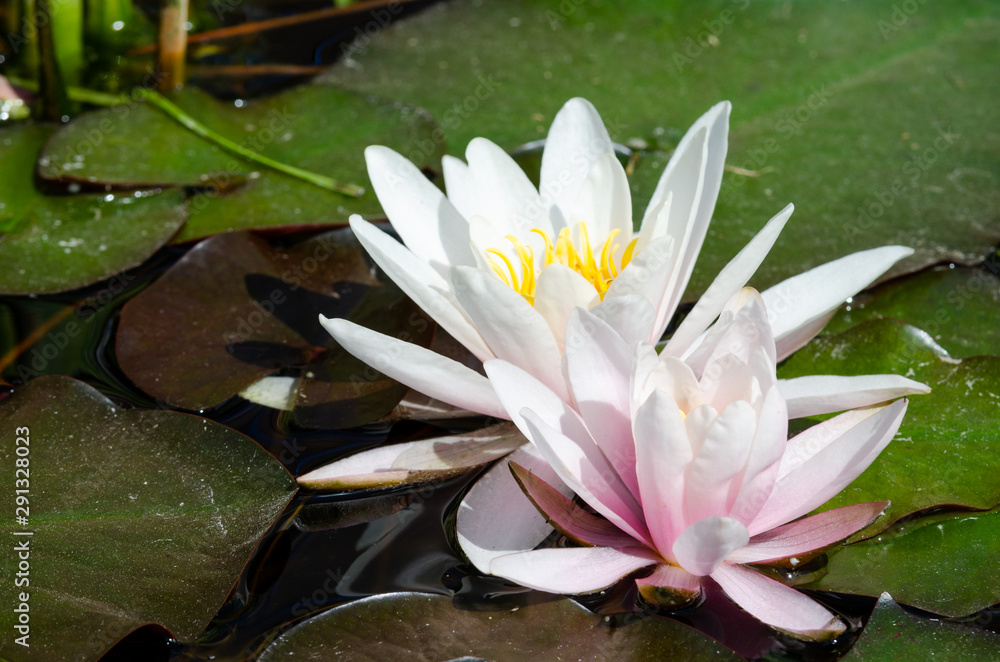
[838, 109]
[318, 128]
[53, 243]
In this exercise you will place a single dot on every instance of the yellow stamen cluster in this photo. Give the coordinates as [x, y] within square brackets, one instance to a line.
[600, 271]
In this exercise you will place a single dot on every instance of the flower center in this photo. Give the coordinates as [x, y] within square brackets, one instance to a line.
[596, 266]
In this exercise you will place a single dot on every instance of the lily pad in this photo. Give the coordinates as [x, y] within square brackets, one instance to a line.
[947, 450]
[873, 106]
[317, 127]
[131, 517]
[893, 634]
[945, 564]
[235, 309]
[51, 243]
[428, 627]
[956, 306]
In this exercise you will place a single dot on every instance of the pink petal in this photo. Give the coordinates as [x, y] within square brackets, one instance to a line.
[598, 367]
[729, 281]
[824, 459]
[808, 534]
[571, 570]
[514, 330]
[495, 518]
[419, 368]
[572, 520]
[765, 455]
[426, 221]
[586, 471]
[824, 394]
[720, 459]
[777, 605]
[739, 333]
[701, 547]
[662, 455]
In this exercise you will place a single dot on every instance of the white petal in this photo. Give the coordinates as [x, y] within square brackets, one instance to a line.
[512, 328]
[604, 202]
[647, 275]
[417, 367]
[805, 298]
[420, 282]
[692, 178]
[701, 547]
[777, 605]
[274, 392]
[769, 445]
[495, 518]
[458, 184]
[503, 193]
[415, 461]
[426, 221]
[631, 316]
[824, 394]
[729, 281]
[576, 140]
[558, 291]
[571, 570]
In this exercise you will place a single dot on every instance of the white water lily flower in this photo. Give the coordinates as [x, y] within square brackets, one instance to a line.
[688, 466]
[500, 265]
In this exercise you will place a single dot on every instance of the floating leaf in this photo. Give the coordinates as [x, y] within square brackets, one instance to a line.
[52, 243]
[837, 111]
[947, 450]
[235, 309]
[428, 627]
[135, 517]
[893, 634]
[316, 127]
[957, 307]
[945, 564]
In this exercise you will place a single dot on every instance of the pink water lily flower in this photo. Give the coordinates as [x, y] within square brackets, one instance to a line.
[688, 465]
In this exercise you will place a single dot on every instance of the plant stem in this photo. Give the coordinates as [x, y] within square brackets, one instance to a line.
[200, 129]
[54, 103]
[172, 43]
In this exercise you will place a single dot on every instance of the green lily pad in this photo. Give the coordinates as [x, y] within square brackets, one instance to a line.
[235, 309]
[957, 307]
[947, 450]
[893, 634]
[835, 109]
[428, 627]
[316, 127]
[135, 517]
[945, 564]
[54, 243]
